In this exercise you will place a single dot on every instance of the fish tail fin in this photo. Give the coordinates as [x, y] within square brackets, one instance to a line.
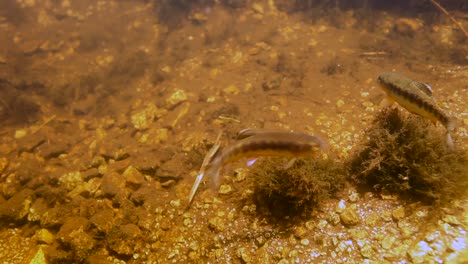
[214, 172]
[194, 188]
[450, 141]
[451, 124]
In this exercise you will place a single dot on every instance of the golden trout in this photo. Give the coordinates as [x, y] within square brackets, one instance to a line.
[417, 98]
[257, 143]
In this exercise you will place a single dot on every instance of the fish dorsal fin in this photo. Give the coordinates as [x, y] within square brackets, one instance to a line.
[424, 87]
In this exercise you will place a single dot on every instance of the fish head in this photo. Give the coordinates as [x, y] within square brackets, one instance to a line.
[386, 79]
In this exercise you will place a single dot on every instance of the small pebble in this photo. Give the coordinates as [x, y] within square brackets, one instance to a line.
[310, 225]
[451, 219]
[387, 242]
[353, 197]
[322, 224]
[44, 236]
[175, 203]
[20, 133]
[398, 213]
[177, 97]
[350, 216]
[366, 251]
[334, 219]
[300, 232]
[225, 189]
[339, 103]
[420, 253]
[340, 207]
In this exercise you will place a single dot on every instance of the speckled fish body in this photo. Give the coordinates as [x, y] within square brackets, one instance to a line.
[416, 97]
[268, 143]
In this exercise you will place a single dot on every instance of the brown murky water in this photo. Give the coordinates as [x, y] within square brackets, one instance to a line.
[107, 109]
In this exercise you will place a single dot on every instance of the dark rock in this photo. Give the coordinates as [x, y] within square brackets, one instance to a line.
[150, 195]
[133, 176]
[112, 183]
[29, 167]
[70, 226]
[73, 233]
[145, 219]
[17, 207]
[118, 165]
[89, 174]
[350, 216]
[123, 239]
[103, 220]
[55, 216]
[37, 210]
[54, 147]
[29, 143]
[165, 224]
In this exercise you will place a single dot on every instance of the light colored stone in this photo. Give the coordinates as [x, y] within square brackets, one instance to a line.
[231, 90]
[451, 219]
[387, 242]
[20, 133]
[366, 251]
[241, 174]
[354, 197]
[300, 231]
[133, 176]
[258, 8]
[398, 213]
[340, 207]
[144, 118]
[39, 257]
[322, 224]
[177, 97]
[339, 103]
[310, 225]
[350, 216]
[44, 236]
[217, 224]
[175, 203]
[225, 189]
[334, 219]
[372, 219]
[244, 255]
[420, 252]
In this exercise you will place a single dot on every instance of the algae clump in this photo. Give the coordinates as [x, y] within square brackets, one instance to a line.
[408, 155]
[296, 189]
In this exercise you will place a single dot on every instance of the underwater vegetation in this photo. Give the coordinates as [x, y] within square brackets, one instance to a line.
[298, 189]
[405, 154]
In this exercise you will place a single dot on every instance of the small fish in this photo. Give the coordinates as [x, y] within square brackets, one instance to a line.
[417, 98]
[256, 143]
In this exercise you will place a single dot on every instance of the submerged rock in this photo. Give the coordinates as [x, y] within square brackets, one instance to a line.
[44, 236]
[420, 252]
[350, 216]
[17, 207]
[123, 239]
[217, 224]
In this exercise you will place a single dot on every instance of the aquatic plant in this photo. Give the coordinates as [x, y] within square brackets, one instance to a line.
[289, 191]
[406, 154]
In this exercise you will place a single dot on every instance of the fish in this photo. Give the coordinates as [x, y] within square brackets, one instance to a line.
[417, 98]
[258, 143]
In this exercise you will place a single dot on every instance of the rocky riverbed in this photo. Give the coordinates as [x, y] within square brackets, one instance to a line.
[107, 109]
